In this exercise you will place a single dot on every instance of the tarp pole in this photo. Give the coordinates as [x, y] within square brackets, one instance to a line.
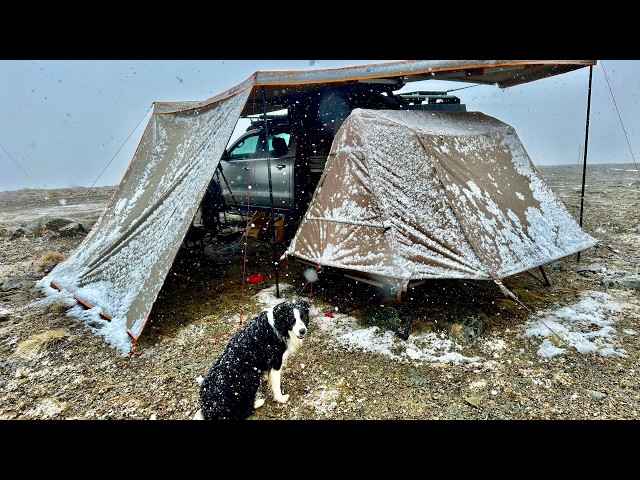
[586, 143]
[273, 225]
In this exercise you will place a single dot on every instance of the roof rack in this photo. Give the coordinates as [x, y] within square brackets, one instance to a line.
[257, 121]
[419, 97]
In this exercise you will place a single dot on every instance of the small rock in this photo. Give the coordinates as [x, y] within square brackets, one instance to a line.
[13, 232]
[19, 297]
[595, 394]
[591, 269]
[621, 280]
[11, 364]
[71, 230]
[471, 329]
[20, 282]
[473, 400]
[58, 223]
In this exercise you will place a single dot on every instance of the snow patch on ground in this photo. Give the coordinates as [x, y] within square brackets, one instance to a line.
[587, 326]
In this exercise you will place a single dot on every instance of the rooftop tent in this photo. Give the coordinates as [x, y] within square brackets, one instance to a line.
[407, 196]
[119, 268]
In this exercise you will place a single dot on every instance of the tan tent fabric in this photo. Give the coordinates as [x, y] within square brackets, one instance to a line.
[122, 263]
[413, 195]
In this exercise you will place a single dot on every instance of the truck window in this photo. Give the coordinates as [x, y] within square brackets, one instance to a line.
[281, 146]
[244, 148]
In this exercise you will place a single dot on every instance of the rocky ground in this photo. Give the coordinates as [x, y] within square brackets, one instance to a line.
[53, 367]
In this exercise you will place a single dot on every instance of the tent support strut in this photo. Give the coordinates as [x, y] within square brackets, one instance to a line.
[404, 335]
[544, 276]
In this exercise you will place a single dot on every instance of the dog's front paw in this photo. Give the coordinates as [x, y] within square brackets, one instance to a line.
[258, 402]
[281, 398]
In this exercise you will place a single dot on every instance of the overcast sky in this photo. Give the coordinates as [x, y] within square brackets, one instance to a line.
[70, 123]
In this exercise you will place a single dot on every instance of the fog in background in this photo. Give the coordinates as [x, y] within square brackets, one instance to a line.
[66, 123]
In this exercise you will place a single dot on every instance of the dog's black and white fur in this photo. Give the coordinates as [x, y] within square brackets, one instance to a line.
[260, 348]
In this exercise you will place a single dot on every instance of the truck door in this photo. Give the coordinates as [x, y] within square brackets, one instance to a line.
[246, 171]
[282, 164]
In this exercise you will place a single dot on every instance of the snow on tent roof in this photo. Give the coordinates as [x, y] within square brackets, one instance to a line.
[411, 195]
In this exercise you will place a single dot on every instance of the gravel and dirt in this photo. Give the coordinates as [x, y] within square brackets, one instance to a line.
[53, 367]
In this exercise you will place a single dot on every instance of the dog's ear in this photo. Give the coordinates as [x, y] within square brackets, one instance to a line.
[279, 307]
[303, 307]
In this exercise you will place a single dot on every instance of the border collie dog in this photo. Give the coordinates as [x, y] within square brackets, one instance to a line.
[230, 389]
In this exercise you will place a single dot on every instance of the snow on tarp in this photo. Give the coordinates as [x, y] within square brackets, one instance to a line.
[414, 194]
[122, 263]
